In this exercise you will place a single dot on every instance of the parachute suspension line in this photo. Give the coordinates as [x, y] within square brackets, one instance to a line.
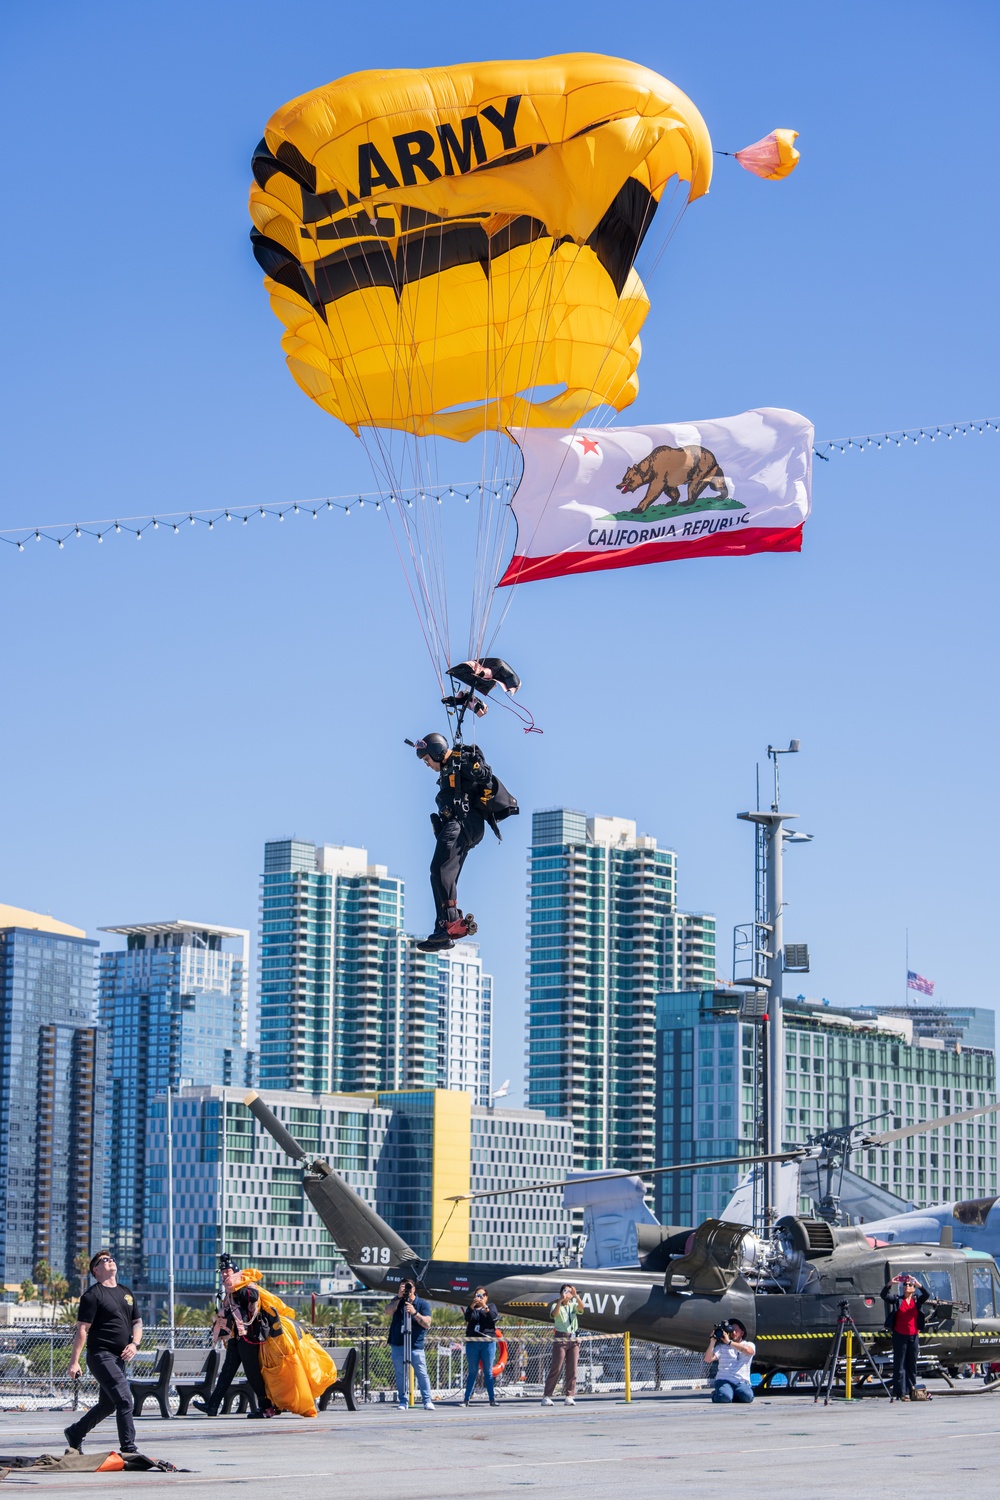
[542, 296]
[599, 420]
[381, 449]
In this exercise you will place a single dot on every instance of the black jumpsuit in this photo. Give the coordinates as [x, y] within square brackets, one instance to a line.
[459, 825]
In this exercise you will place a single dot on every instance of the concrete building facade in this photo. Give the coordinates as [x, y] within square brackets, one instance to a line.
[52, 1096]
[405, 1152]
[605, 937]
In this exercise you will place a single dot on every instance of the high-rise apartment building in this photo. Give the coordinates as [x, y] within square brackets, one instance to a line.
[348, 1003]
[605, 937]
[174, 1002]
[52, 1096]
[404, 1152]
[842, 1066]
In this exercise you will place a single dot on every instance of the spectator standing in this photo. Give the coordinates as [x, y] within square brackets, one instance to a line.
[565, 1345]
[904, 1300]
[480, 1342]
[409, 1320]
[108, 1322]
[734, 1351]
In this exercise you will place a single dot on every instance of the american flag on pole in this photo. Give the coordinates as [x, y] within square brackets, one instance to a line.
[918, 982]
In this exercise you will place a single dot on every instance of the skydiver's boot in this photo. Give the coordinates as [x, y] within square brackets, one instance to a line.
[441, 936]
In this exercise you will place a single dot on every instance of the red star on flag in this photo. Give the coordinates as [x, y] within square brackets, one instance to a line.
[589, 446]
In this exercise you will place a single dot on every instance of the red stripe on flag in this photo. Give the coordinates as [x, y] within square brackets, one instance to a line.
[720, 544]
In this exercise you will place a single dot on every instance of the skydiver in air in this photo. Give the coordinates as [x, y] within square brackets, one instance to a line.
[469, 796]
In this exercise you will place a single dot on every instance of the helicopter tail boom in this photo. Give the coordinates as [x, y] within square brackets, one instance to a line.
[366, 1241]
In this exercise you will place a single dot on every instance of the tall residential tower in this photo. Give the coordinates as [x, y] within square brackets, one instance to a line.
[174, 1002]
[348, 1002]
[52, 1097]
[605, 937]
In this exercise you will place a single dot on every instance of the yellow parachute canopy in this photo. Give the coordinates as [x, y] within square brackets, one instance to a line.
[452, 250]
[296, 1369]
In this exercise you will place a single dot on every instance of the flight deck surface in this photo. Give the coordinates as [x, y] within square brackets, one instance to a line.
[679, 1445]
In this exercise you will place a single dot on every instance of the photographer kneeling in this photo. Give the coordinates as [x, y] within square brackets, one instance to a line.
[731, 1347]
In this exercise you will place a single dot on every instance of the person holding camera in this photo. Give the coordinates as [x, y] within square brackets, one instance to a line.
[410, 1317]
[904, 1300]
[565, 1345]
[480, 1342]
[734, 1351]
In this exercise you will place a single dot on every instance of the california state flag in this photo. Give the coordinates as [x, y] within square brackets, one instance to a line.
[617, 496]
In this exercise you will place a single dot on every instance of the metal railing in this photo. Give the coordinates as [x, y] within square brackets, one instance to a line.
[34, 1363]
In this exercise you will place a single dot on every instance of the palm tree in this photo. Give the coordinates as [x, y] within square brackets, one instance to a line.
[29, 1291]
[81, 1263]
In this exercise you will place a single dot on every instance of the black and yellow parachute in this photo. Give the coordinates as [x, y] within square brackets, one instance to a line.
[452, 253]
[439, 242]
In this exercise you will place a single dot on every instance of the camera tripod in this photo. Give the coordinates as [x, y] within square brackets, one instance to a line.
[846, 1324]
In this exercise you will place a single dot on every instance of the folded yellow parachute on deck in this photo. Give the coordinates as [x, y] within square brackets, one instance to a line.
[295, 1367]
[452, 249]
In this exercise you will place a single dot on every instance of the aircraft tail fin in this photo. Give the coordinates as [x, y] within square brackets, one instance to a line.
[364, 1239]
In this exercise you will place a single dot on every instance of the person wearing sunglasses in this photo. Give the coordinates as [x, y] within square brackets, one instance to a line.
[108, 1322]
[904, 1300]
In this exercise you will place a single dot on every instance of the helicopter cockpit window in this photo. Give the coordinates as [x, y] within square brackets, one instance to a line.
[938, 1283]
[983, 1291]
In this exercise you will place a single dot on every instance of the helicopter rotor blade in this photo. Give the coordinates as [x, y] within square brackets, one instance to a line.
[684, 1166]
[885, 1136]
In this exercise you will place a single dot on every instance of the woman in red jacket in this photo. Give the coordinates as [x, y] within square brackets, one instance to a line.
[904, 1299]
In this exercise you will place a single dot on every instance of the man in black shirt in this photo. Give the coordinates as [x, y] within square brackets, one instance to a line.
[108, 1322]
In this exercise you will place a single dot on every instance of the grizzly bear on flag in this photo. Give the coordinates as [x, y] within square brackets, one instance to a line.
[666, 469]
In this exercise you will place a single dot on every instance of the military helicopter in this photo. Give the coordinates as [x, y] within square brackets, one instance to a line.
[788, 1289]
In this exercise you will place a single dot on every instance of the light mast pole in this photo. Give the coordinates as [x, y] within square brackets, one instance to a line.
[770, 927]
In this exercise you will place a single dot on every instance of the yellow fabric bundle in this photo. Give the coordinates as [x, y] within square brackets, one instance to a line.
[295, 1367]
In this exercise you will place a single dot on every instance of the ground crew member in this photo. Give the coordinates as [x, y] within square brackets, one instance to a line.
[249, 1326]
[108, 1322]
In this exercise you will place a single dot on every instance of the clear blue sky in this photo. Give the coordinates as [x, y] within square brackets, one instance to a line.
[169, 705]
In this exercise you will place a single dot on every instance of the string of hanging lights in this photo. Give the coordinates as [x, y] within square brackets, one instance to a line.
[60, 533]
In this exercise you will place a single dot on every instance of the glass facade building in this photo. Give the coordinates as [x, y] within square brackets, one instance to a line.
[605, 937]
[174, 1002]
[404, 1152]
[348, 1002]
[842, 1066]
[52, 1097]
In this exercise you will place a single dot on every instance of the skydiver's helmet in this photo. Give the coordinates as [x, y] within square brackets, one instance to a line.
[433, 745]
[226, 1263]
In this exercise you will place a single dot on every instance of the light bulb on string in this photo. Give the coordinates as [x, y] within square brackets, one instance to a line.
[177, 531]
[191, 520]
[20, 546]
[117, 527]
[60, 544]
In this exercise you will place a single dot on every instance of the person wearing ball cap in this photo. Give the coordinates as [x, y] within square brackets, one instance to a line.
[904, 1300]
